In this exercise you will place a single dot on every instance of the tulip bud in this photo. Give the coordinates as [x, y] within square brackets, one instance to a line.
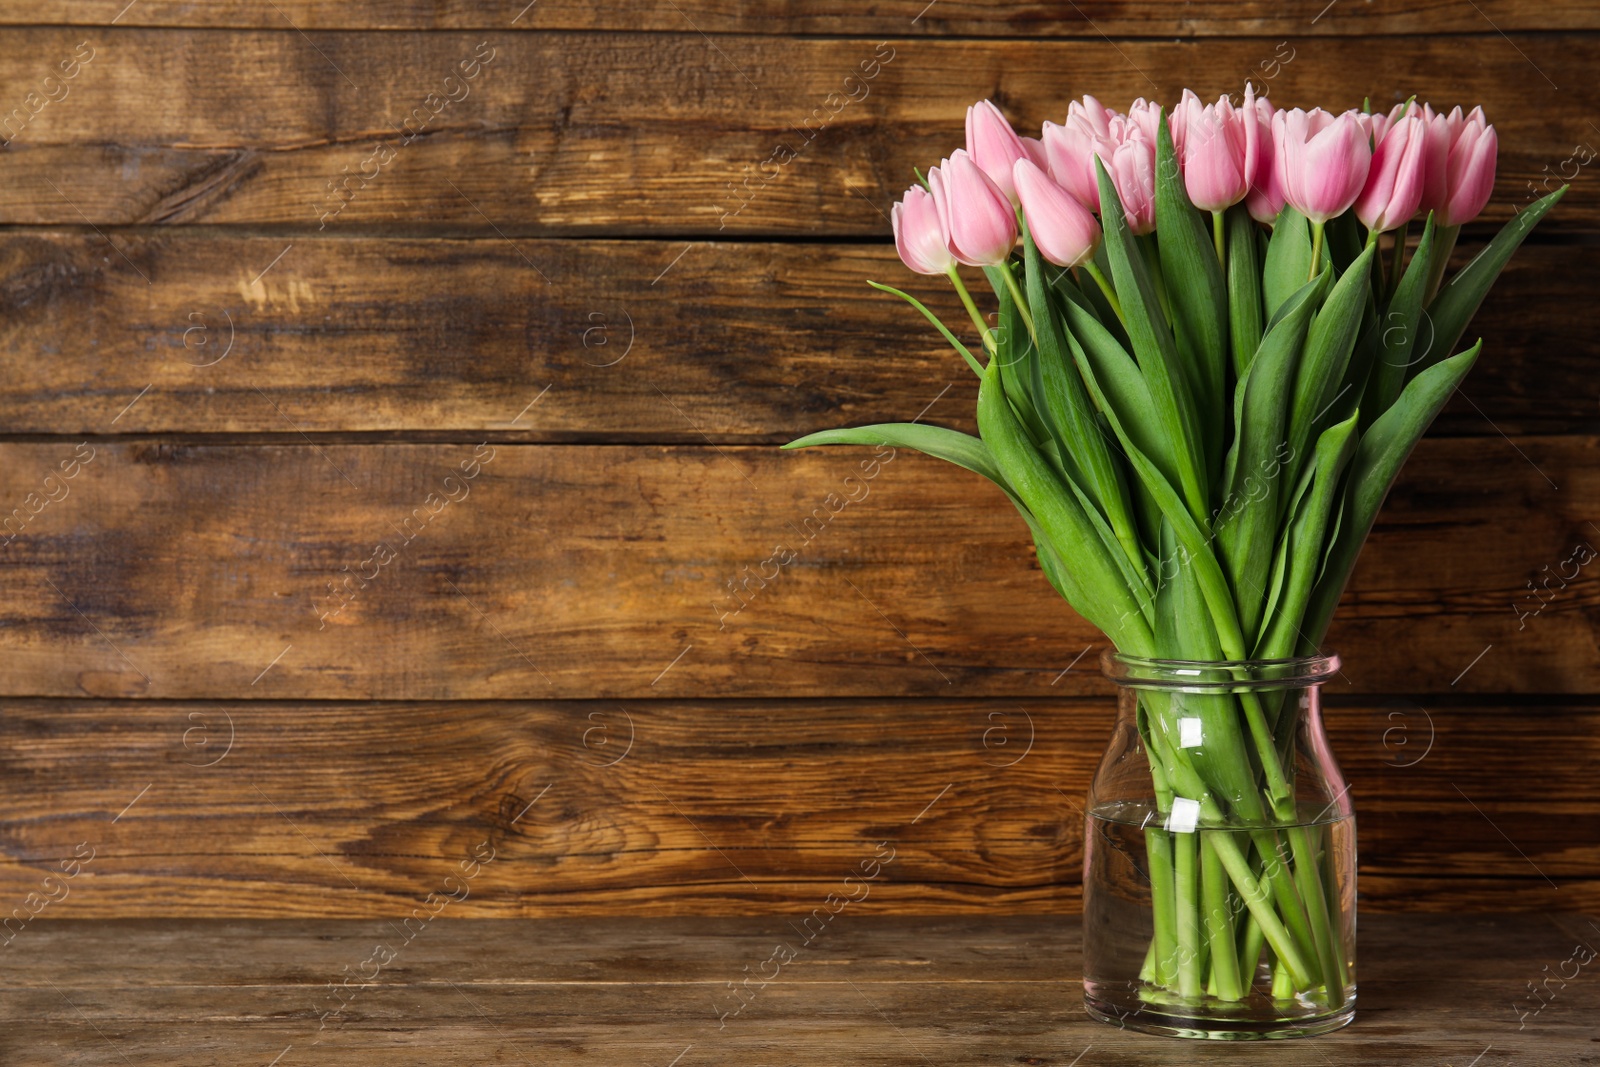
[1064, 229]
[1435, 158]
[918, 236]
[1322, 161]
[1145, 116]
[1090, 116]
[980, 224]
[1217, 147]
[1035, 149]
[1119, 142]
[1132, 167]
[1265, 199]
[994, 146]
[1469, 176]
[1069, 158]
[1394, 183]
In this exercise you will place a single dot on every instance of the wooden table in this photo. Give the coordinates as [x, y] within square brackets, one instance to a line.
[1434, 990]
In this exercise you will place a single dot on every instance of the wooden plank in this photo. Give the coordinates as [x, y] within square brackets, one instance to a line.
[645, 991]
[1091, 18]
[176, 570]
[440, 336]
[663, 807]
[657, 133]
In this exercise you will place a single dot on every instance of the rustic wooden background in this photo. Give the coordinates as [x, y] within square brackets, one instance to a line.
[260, 320]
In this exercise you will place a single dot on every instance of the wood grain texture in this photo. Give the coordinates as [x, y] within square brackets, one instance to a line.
[177, 570]
[1090, 18]
[277, 810]
[656, 133]
[437, 337]
[877, 990]
[183, 195]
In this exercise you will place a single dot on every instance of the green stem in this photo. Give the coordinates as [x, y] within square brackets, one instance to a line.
[1292, 942]
[1255, 898]
[1218, 238]
[1022, 301]
[1398, 263]
[1185, 877]
[1290, 907]
[1444, 243]
[1219, 921]
[1283, 982]
[1250, 951]
[1105, 287]
[1308, 876]
[972, 309]
[1327, 861]
[1316, 249]
[1158, 849]
[1267, 751]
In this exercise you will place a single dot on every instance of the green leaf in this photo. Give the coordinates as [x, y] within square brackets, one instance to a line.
[1398, 329]
[1119, 390]
[1305, 539]
[1261, 460]
[1195, 289]
[966, 353]
[1288, 265]
[964, 451]
[1195, 544]
[1382, 451]
[1153, 344]
[1344, 239]
[1103, 597]
[952, 446]
[1055, 571]
[1275, 583]
[1185, 630]
[1244, 288]
[1458, 301]
[1014, 354]
[1183, 627]
[1089, 294]
[1327, 353]
[1070, 414]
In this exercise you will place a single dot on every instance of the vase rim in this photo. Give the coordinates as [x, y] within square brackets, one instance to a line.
[1152, 672]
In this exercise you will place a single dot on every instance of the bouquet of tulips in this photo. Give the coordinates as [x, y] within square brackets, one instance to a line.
[1207, 366]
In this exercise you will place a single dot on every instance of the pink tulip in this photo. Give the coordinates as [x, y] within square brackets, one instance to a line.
[918, 236]
[1374, 126]
[1145, 116]
[1265, 199]
[1064, 229]
[1217, 147]
[1394, 184]
[1436, 157]
[1090, 115]
[1119, 142]
[1322, 161]
[1069, 148]
[980, 225]
[1069, 157]
[994, 146]
[1469, 173]
[1035, 149]
[1132, 167]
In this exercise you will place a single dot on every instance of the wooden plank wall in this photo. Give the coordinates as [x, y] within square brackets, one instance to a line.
[389, 395]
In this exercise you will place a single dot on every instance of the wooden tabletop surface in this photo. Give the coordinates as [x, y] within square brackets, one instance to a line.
[1435, 990]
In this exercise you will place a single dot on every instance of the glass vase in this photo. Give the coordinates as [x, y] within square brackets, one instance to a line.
[1219, 869]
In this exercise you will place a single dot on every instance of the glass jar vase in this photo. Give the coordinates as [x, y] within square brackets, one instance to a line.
[1219, 870]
